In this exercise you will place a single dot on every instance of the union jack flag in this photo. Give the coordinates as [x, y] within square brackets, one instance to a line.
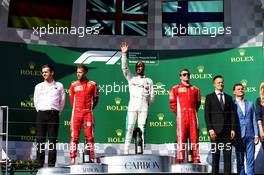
[118, 17]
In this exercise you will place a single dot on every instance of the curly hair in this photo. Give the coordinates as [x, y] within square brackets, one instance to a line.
[261, 93]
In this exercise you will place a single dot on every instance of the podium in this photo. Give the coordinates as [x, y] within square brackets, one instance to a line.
[144, 163]
[189, 168]
[88, 168]
[137, 163]
[54, 171]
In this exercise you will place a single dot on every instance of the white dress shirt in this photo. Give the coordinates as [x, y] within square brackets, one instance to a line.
[241, 104]
[49, 96]
[218, 95]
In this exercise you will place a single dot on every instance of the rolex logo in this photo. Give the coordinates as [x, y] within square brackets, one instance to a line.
[31, 65]
[160, 116]
[118, 100]
[30, 70]
[28, 102]
[159, 85]
[242, 52]
[244, 82]
[204, 131]
[119, 132]
[31, 97]
[202, 99]
[200, 69]
[32, 130]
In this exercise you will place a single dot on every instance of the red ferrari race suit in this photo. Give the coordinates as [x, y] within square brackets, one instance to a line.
[83, 98]
[185, 102]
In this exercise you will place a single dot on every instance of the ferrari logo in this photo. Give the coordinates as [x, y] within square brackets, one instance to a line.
[182, 89]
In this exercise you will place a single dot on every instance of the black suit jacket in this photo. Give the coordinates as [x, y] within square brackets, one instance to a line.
[216, 118]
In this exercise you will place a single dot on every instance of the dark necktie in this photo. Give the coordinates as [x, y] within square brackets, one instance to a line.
[221, 101]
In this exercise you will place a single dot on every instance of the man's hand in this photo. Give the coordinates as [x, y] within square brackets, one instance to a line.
[233, 134]
[212, 135]
[124, 47]
[261, 133]
[256, 140]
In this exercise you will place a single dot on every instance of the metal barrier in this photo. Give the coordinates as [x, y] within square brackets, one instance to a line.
[4, 111]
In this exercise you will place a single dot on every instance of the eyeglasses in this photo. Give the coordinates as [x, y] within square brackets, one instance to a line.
[184, 74]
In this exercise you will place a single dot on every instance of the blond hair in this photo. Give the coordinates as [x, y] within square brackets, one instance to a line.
[261, 93]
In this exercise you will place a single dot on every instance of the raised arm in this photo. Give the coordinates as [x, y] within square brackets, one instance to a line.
[124, 64]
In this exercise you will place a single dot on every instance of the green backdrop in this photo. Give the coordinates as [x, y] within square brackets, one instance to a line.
[20, 72]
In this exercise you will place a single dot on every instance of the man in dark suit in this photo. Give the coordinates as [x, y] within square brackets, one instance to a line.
[220, 120]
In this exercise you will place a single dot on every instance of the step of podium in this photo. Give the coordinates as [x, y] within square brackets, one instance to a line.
[189, 168]
[54, 171]
[88, 168]
[135, 164]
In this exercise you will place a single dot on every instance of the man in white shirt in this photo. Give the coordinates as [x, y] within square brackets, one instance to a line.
[49, 100]
[141, 96]
[247, 131]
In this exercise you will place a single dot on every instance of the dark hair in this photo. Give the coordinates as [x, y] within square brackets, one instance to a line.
[184, 70]
[48, 66]
[140, 62]
[82, 66]
[217, 76]
[237, 84]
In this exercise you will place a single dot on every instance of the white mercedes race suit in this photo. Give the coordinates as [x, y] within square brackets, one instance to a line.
[141, 97]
